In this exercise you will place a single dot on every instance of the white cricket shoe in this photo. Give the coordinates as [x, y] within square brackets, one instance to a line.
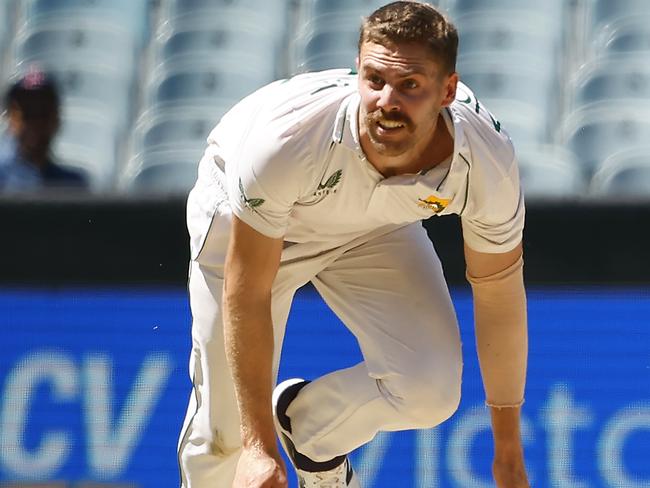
[336, 473]
[340, 477]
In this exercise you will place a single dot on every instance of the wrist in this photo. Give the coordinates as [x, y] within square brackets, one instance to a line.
[508, 450]
[506, 429]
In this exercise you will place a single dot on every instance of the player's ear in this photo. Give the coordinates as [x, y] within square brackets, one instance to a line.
[450, 83]
[356, 63]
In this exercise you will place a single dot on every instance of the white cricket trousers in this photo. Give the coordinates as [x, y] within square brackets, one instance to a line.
[387, 288]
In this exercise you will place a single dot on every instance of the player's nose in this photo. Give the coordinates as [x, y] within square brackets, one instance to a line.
[388, 99]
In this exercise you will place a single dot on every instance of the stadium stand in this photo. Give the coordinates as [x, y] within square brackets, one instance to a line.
[550, 8]
[567, 79]
[238, 22]
[6, 30]
[624, 175]
[608, 94]
[172, 129]
[605, 13]
[328, 49]
[518, 94]
[130, 16]
[511, 56]
[94, 43]
[609, 109]
[205, 55]
[183, 107]
[204, 42]
[162, 172]
[273, 11]
[628, 36]
[167, 140]
[594, 133]
[617, 80]
[499, 36]
[549, 172]
[201, 85]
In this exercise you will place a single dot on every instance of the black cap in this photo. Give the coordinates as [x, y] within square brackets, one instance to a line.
[34, 93]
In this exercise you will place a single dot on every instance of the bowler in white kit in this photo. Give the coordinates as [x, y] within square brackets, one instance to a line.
[324, 178]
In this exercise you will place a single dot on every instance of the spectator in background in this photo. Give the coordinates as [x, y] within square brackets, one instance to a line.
[32, 111]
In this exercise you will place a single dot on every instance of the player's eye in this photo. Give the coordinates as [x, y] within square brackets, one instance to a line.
[410, 84]
[375, 80]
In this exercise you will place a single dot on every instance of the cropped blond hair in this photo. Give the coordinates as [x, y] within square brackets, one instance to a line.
[413, 22]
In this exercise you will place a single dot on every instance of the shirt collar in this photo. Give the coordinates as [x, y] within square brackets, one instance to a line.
[346, 125]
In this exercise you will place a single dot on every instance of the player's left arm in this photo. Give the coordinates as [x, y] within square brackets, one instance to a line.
[502, 342]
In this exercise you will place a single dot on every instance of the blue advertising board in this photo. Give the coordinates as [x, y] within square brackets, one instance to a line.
[94, 383]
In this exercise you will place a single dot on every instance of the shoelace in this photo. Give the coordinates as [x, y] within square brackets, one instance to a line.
[328, 481]
[332, 479]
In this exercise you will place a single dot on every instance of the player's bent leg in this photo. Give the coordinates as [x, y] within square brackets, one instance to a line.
[424, 398]
[392, 295]
[344, 410]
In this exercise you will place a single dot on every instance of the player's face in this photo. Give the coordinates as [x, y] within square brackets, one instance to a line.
[402, 90]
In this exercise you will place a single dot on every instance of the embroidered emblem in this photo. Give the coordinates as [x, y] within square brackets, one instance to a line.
[331, 182]
[328, 186]
[435, 204]
[250, 203]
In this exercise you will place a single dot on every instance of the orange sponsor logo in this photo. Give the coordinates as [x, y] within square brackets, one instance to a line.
[435, 204]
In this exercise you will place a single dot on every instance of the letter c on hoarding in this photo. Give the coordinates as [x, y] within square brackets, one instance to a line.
[610, 446]
[46, 367]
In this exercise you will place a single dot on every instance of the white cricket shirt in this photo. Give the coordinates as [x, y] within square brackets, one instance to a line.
[294, 168]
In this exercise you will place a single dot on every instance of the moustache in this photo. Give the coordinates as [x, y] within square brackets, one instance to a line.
[379, 115]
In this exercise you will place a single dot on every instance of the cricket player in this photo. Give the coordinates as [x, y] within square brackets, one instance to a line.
[324, 178]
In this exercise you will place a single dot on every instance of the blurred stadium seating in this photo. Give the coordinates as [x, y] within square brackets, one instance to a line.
[144, 81]
[624, 175]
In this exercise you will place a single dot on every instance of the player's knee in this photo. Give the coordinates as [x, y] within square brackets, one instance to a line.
[428, 400]
[434, 403]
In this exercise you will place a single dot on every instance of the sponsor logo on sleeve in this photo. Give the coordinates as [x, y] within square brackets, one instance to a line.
[250, 203]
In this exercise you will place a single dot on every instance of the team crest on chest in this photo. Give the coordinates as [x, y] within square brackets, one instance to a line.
[328, 186]
[433, 203]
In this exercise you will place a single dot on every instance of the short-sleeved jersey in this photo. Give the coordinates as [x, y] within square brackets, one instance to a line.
[293, 168]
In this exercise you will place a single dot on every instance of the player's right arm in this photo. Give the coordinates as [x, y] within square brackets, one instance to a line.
[252, 262]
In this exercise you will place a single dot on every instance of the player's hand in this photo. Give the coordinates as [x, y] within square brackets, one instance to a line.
[259, 469]
[510, 472]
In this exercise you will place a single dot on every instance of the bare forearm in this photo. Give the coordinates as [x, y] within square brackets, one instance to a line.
[249, 351]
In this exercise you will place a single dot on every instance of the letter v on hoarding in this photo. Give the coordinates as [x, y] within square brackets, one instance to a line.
[111, 440]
